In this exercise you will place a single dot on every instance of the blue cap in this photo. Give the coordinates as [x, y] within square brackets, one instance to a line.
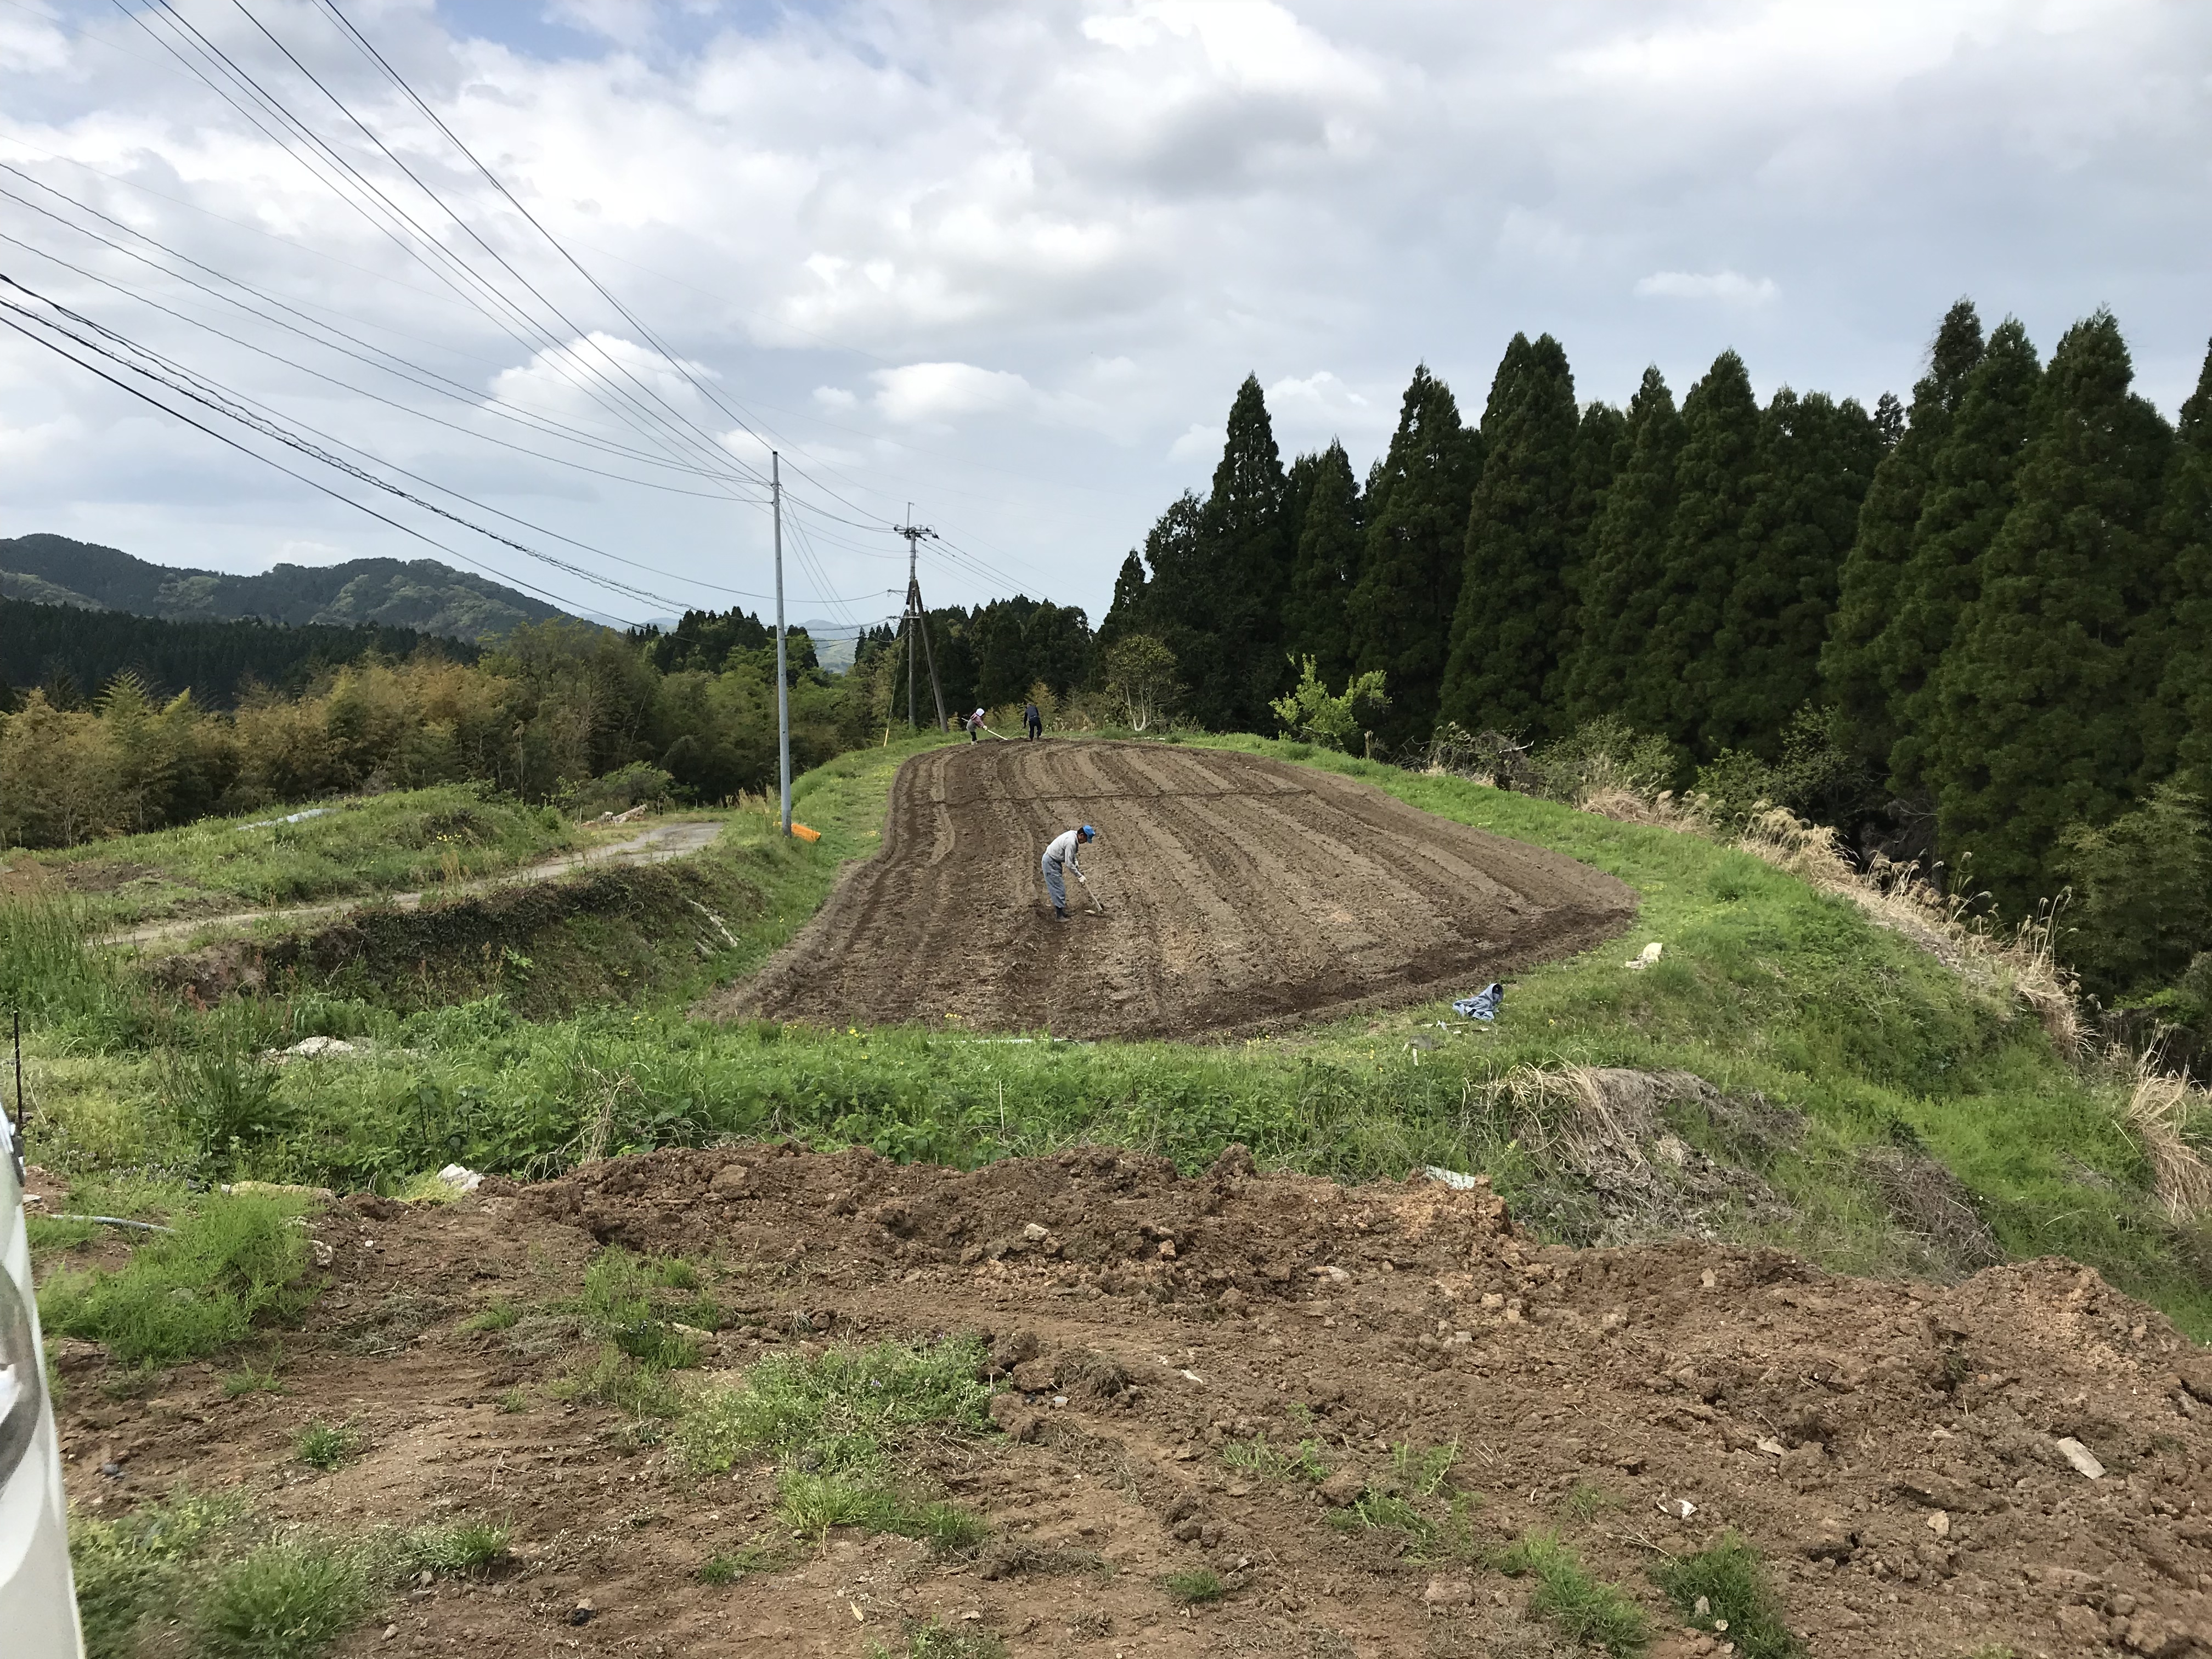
[1090, 833]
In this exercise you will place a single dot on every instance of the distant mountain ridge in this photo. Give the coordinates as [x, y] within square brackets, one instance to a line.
[420, 594]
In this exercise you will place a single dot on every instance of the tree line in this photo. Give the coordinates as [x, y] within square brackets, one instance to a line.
[1976, 624]
[73, 653]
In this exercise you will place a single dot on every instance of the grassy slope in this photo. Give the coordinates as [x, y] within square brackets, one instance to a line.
[1765, 985]
[404, 841]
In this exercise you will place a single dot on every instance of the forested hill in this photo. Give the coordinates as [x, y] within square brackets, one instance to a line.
[73, 653]
[421, 594]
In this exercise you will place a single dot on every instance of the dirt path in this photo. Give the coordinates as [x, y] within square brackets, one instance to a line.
[1894, 1451]
[657, 845]
[1239, 894]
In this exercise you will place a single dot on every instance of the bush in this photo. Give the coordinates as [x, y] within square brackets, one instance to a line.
[192, 1292]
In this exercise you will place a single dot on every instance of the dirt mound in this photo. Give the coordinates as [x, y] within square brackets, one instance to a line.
[1898, 1451]
[1239, 895]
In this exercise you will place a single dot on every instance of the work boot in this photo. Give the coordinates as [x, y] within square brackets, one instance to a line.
[1060, 915]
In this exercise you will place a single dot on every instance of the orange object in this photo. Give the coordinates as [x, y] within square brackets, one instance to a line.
[804, 833]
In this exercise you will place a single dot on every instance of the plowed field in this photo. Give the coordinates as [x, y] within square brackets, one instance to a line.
[1238, 894]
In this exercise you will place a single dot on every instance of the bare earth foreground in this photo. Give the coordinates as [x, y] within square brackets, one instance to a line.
[1893, 1449]
[1238, 893]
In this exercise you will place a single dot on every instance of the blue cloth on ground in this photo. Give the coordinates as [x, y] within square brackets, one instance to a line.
[1483, 1005]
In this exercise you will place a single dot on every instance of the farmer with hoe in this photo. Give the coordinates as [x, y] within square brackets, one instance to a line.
[1061, 857]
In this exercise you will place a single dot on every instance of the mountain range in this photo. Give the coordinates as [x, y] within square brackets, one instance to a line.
[421, 594]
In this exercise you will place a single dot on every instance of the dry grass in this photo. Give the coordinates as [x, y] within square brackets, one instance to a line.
[2161, 1112]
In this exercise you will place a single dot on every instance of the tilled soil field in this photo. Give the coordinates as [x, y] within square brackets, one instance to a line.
[1238, 894]
[1912, 1460]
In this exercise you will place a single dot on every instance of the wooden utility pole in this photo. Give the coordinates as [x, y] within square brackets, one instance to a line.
[917, 620]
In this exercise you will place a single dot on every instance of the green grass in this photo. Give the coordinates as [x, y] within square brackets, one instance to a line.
[1413, 1498]
[1585, 1502]
[1194, 1586]
[327, 1446]
[500, 1315]
[935, 1640]
[232, 1261]
[136, 1571]
[465, 1549]
[1582, 1606]
[1272, 1463]
[514, 1401]
[406, 840]
[1730, 1580]
[1767, 984]
[837, 1425]
[284, 1601]
[250, 1380]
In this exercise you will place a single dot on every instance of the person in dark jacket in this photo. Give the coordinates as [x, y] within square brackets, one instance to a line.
[1034, 721]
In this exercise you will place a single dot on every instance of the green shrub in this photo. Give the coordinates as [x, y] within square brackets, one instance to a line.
[285, 1600]
[1584, 1608]
[234, 1260]
[1730, 1580]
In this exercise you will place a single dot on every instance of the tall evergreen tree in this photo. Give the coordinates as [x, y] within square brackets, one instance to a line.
[1249, 556]
[2038, 710]
[1968, 495]
[1676, 675]
[1175, 608]
[1602, 446]
[1401, 607]
[1219, 569]
[1126, 614]
[1816, 458]
[1513, 597]
[1620, 566]
[1850, 671]
[1299, 480]
[1316, 611]
[2181, 737]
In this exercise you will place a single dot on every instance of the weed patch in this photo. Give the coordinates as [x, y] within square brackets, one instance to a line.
[934, 1640]
[467, 1549]
[234, 1262]
[1413, 1499]
[1583, 1608]
[327, 1446]
[135, 1571]
[1724, 1586]
[1196, 1587]
[835, 1425]
[1272, 1463]
[284, 1601]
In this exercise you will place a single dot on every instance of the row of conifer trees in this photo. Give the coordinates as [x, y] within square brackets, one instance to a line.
[1997, 598]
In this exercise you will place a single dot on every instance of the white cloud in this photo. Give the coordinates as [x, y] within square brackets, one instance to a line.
[1199, 443]
[935, 392]
[835, 397]
[1322, 406]
[1730, 287]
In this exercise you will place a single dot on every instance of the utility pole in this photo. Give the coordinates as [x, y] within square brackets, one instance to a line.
[918, 619]
[782, 682]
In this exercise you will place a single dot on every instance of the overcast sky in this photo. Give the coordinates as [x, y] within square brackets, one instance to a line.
[1010, 261]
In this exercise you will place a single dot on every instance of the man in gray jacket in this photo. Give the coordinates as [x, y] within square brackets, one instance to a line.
[1059, 857]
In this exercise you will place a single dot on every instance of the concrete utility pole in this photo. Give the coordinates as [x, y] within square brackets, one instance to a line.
[782, 683]
[917, 620]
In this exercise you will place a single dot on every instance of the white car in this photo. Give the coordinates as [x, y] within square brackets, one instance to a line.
[38, 1601]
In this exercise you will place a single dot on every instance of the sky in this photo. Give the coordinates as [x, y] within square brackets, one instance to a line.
[1005, 262]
